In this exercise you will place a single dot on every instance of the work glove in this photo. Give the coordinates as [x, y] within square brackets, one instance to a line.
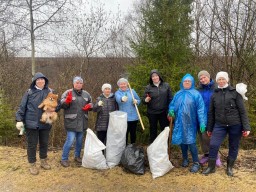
[202, 128]
[209, 133]
[100, 103]
[87, 107]
[124, 98]
[245, 133]
[19, 125]
[69, 98]
[135, 101]
[148, 98]
[171, 113]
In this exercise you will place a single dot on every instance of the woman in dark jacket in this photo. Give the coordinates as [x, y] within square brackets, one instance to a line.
[76, 103]
[29, 115]
[227, 115]
[157, 97]
[105, 104]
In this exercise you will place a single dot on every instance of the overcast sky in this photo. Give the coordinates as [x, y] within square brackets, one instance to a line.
[124, 5]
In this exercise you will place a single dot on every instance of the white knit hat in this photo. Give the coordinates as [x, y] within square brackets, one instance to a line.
[106, 85]
[222, 74]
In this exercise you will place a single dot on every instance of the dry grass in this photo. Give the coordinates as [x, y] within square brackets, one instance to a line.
[14, 176]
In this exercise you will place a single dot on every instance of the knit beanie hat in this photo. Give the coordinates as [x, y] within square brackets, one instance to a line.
[122, 80]
[203, 72]
[77, 78]
[222, 74]
[106, 85]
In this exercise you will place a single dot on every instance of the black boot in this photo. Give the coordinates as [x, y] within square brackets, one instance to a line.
[211, 167]
[230, 165]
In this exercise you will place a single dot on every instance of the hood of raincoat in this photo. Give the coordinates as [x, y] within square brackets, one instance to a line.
[187, 77]
[37, 76]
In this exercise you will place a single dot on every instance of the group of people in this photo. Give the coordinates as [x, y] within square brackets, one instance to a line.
[213, 111]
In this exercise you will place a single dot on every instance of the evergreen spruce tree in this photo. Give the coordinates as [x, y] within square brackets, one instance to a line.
[164, 44]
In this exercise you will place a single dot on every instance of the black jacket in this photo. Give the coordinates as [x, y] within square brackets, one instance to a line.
[109, 105]
[226, 109]
[161, 96]
[28, 111]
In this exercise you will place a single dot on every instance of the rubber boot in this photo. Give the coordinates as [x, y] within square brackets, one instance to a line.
[230, 165]
[211, 167]
[33, 169]
[44, 164]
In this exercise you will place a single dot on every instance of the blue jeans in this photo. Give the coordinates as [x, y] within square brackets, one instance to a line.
[218, 135]
[71, 136]
[193, 150]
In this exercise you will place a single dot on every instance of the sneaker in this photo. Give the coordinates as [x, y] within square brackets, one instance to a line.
[218, 162]
[78, 159]
[203, 160]
[45, 165]
[185, 163]
[33, 169]
[195, 167]
[64, 163]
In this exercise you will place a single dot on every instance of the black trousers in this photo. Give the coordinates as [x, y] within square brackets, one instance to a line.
[153, 121]
[33, 136]
[102, 136]
[131, 129]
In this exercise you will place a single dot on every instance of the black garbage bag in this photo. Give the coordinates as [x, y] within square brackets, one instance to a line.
[133, 159]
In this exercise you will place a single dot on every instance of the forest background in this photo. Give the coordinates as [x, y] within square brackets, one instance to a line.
[83, 38]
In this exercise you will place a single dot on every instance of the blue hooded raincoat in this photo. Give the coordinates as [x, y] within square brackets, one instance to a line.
[188, 107]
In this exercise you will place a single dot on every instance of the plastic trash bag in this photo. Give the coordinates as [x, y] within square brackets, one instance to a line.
[241, 88]
[116, 137]
[133, 159]
[158, 155]
[93, 157]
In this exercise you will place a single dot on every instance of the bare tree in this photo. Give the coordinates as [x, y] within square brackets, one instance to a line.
[227, 32]
[31, 17]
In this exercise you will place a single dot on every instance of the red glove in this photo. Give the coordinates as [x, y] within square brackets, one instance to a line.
[87, 107]
[209, 133]
[69, 98]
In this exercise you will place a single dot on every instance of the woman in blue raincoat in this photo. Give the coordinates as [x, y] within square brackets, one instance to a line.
[188, 108]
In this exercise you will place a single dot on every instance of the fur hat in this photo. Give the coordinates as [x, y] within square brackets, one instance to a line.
[222, 74]
[122, 80]
[106, 85]
[203, 72]
[78, 78]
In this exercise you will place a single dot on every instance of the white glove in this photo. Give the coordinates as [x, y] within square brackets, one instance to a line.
[135, 101]
[20, 125]
[100, 103]
[147, 99]
[124, 98]
[241, 88]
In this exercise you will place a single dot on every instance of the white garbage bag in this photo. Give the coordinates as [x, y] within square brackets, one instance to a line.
[241, 88]
[158, 155]
[116, 137]
[93, 157]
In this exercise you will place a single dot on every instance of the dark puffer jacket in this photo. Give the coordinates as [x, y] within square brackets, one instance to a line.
[109, 105]
[226, 109]
[161, 96]
[28, 111]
